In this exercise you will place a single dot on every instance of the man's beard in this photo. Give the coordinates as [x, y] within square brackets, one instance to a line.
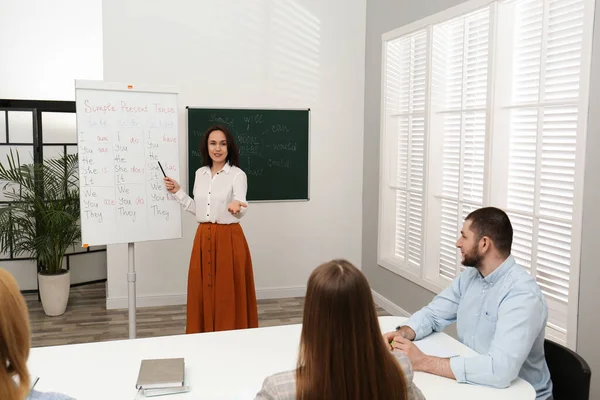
[472, 259]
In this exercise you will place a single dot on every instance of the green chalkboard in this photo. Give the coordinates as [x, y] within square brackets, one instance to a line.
[273, 148]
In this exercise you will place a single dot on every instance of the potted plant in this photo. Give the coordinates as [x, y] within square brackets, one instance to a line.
[41, 220]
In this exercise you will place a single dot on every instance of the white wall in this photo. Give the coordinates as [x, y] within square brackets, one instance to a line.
[259, 53]
[44, 47]
[589, 279]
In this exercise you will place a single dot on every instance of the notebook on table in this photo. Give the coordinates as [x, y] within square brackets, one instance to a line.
[161, 392]
[161, 373]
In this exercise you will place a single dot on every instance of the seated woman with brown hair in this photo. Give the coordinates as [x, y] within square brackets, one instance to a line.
[342, 355]
[15, 344]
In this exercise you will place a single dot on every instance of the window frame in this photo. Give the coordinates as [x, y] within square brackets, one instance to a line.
[427, 276]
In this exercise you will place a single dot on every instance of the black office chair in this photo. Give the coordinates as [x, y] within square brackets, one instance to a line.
[569, 372]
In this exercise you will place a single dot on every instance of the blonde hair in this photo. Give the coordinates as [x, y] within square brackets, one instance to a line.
[14, 340]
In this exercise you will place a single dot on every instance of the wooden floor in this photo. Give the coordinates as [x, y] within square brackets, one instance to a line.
[88, 320]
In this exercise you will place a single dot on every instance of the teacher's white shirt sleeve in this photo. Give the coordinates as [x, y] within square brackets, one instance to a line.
[186, 201]
[240, 187]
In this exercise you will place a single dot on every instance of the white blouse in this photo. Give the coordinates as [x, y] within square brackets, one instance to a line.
[212, 195]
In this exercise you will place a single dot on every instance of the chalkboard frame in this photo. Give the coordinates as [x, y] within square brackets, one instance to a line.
[307, 199]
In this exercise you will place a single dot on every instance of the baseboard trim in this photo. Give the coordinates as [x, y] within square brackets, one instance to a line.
[261, 294]
[389, 306]
[280, 292]
[73, 285]
[115, 303]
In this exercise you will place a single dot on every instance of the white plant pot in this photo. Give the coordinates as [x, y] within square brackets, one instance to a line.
[54, 291]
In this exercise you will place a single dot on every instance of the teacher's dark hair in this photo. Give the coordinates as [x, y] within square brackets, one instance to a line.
[342, 354]
[233, 153]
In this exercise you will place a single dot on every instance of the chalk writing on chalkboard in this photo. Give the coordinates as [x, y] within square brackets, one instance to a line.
[273, 148]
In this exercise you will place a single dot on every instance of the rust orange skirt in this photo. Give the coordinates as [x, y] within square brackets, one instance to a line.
[221, 294]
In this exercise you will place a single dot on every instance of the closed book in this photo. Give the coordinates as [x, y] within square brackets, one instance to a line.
[161, 373]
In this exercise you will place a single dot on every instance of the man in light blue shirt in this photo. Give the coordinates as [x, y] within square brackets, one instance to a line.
[498, 308]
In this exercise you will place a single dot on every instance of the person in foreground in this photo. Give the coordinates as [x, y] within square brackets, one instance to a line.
[15, 345]
[341, 352]
[499, 309]
[220, 247]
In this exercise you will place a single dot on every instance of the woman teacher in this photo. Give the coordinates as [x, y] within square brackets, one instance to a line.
[221, 294]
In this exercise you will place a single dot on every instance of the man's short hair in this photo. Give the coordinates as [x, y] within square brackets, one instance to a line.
[493, 223]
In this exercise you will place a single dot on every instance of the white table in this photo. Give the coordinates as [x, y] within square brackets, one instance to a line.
[221, 365]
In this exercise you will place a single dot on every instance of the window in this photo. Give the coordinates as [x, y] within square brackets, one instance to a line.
[56, 136]
[486, 104]
[459, 97]
[405, 106]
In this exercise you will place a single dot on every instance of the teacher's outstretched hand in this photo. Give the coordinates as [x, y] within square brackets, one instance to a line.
[172, 185]
[235, 206]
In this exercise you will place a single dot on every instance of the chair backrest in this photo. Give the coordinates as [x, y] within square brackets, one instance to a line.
[569, 372]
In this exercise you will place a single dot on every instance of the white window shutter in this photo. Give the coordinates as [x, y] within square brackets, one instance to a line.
[405, 91]
[416, 195]
[459, 91]
[546, 79]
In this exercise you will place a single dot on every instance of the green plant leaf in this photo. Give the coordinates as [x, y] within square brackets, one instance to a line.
[42, 218]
